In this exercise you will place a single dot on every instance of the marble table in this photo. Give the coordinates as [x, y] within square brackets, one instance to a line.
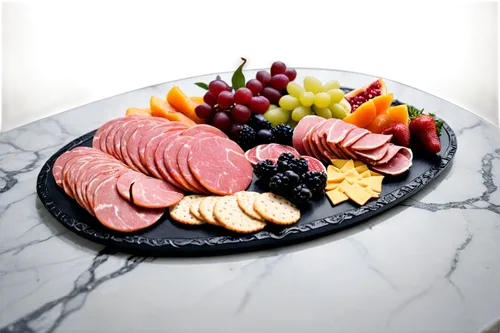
[431, 264]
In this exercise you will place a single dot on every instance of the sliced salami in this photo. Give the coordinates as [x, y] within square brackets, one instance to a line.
[201, 130]
[155, 131]
[152, 146]
[126, 138]
[220, 165]
[160, 161]
[61, 161]
[272, 151]
[170, 159]
[154, 193]
[117, 213]
[251, 155]
[124, 183]
[314, 164]
[182, 163]
[133, 145]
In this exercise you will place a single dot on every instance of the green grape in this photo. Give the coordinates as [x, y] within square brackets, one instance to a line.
[312, 84]
[300, 112]
[289, 103]
[292, 123]
[307, 99]
[336, 95]
[323, 112]
[334, 84]
[337, 111]
[277, 116]
[345, 104]
[322, 100]
[272, 106]
[295, 89]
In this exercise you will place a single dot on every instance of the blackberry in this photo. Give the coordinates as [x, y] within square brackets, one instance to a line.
[291, 179]
[246, 138]
[284, 161]
[283, 183]
[258, 122]
[315, 182]
[298, 165]
[276, 184]
[265, 169]
[301, 194]
[283, 134]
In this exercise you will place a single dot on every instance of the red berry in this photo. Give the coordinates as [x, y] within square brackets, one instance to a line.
[225, 99]
[240, 113]
[259, 104]
[210, 98]
[264, 77]
[272, 95]
[278, 67]
[400, 134]
[255, 86]
[291, 74]
[243, 96]
[218, 86]
[279, 81]
[203, 110]
[424, 135]
[221, 120]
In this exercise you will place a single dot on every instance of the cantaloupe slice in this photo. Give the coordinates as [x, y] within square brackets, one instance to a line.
[383, 103]
[363, 116]
[182, 103]
[139, 111]
[399, 114]
[161, 108]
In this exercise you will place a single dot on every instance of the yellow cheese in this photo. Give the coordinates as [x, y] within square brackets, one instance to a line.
[336, 197]
[361, 168]
[374, 183]
[338, 179]
[344, 186]
[352, 176]
[372, 193]
[339, 163]
[358, 163]
[332, 168]
[357, 194]
[349, 165]
[365, 174]
[331, 186]
[373, 173]
[331, 173]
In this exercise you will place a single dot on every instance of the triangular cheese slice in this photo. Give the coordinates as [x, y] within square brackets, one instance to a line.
[358, 163]
[366, 174]
[357, 194]
[361, 168]
[349, 165]
[374, 183]
[372, 193]
[339, 163]
[336, 197]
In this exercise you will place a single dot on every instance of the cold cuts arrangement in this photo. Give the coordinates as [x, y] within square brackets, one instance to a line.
[328, 139]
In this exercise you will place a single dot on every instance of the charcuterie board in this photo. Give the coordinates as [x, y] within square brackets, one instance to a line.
[168, 238]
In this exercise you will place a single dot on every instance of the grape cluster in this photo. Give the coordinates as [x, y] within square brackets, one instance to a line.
[326, 101]
[290, 178]
[272, 85]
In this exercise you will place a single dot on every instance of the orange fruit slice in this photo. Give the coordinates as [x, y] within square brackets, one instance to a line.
[381, 122]
[363, 115]
[383, 103]
[399, 114]
[161, 108]
[197, 100]
[140, 111]
[183, 104]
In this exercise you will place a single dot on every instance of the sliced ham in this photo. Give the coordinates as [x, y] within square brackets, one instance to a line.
[354, 135]
[314, 164]
[338, 132]
[126, 180]
[302, 128]
[396, 166]
[374, 154]
[182, 163]
[272, 151]
[251, 155]
[201, 130]
[154, 193]
[371, 141]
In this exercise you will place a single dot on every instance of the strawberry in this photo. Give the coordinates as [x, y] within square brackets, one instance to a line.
[400, 134]
[424, 133]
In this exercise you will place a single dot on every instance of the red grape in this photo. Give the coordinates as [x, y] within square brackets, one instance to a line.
[243, 96]
[225, 99]
[234, 131]
[218, 86]
[221, 120]
[279, 81]
[264, 77]
[210, 98]
[255, 86]
[203, 110]
[291, 74]
[272, 95]
[241, 113]
[259, 104]
[278, 68]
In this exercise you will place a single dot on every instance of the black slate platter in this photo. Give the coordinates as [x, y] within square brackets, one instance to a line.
[169, 238]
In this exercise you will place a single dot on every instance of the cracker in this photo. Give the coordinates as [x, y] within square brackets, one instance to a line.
[246, 199]
[207, 209]
[229, 214]
[276, 209]
[194, 208]
[180, 211]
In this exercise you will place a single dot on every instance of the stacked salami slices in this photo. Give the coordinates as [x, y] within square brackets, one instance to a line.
[328, 139]
[198, 159]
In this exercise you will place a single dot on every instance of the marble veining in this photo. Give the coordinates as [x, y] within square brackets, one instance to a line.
[431, 264]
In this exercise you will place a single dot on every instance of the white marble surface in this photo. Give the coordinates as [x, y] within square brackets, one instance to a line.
[431, 264]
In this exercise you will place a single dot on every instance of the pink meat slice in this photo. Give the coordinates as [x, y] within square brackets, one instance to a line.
[374, 154]
[396, 166]
[126, 180]
[314, 164]
[147, 137]
[118, 138]
[321, 131]
[170, 159]
[152, 146]
[202, 129]
[63, 159]
[102, 132]
[272, 151]
[66, 169]
[306, 142]
[371, 141]
[300, 131]
[160, 161]
[95, 182]
[104, 137]
[117, 213]
[251, 155]
[220, 165]
[354, 135]
[338, 132]
[133, 145]
[127, 138]
[109, 144]
[154, 193]
[182, 163]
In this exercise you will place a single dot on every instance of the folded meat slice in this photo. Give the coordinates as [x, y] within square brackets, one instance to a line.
[371, 141]
[373, 154]
[338, 132]
[396, 166]
[307, 142]
[302, 129]
[318, 140]
[353, 136]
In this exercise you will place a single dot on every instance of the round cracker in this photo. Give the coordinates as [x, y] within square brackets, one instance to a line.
[180, 211]
[246, 199]
[207, 209]
[194, 208]
[276, 209]
[229, 215]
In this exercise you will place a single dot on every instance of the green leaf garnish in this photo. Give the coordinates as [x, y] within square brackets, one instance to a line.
[202, 85]
[413, 112]
[238, 79]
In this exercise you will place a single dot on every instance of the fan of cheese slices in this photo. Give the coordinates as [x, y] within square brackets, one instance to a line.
[350, 179]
